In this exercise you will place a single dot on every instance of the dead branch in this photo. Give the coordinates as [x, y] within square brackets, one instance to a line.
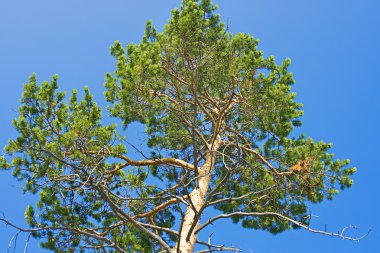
[302, 225]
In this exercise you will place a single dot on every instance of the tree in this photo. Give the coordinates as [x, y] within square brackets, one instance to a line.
[219, 119]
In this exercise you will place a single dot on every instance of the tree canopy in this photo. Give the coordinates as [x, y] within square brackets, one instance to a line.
[218, 118]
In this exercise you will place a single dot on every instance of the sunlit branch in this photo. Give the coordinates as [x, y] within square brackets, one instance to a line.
[281, 216]
[238, 198]
[161, 161]
[158, 208]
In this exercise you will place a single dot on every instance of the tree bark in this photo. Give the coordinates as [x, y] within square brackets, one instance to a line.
[197, 197]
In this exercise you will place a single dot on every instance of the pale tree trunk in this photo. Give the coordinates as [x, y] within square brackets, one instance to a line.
[197, 197]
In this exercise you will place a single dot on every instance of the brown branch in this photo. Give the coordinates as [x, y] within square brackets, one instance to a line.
[175, 186]
[179, 113]
[158, 208]
[239, 135]
[167, 161]
[180, 79]
[206, 112]
[258, 155]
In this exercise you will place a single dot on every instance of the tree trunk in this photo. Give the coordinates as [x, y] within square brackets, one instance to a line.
[197, 197]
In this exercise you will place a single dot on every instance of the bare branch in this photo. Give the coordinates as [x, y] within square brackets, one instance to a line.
[167, 230]
[161, 161]
[304, 226]
[158, 208]
[66, 228]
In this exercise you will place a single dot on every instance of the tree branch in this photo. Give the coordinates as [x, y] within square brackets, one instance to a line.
[73, 230]
[304, 226]
[125, 216]
[158, 208]
[167, 161]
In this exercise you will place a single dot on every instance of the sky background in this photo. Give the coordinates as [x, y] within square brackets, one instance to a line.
[335, 49]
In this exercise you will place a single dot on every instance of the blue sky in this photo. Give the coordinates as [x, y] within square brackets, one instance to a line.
[335, 49]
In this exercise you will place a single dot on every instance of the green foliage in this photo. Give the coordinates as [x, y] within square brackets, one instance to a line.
[54, 156]
[190, 83]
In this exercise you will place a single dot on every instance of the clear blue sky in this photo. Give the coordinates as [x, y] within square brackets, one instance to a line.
[335, 49]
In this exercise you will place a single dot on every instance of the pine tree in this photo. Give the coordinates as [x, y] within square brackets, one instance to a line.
[218, 117]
